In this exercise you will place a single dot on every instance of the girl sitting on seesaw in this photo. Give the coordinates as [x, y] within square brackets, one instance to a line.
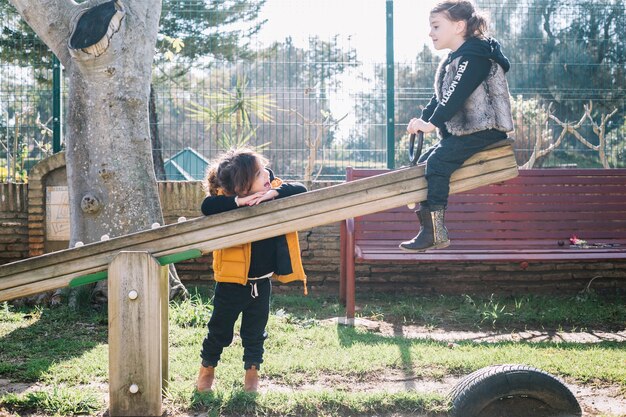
[470, 108]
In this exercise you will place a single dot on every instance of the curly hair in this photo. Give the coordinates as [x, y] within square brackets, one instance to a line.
[457, 10]
[233, 172]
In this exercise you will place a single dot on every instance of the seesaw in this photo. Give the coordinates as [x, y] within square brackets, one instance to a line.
[135, 264]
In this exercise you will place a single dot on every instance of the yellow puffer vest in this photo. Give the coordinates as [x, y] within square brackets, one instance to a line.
[232, 264]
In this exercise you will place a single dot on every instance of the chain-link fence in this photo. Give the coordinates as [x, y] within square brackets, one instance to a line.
[305, 81]
[26, 79]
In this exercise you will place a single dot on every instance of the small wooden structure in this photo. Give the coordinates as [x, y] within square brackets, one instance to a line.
[137, 293]
[138, 327]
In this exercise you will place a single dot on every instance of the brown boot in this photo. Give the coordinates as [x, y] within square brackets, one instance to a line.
[433, 233]
[251, 381]
[205, 378]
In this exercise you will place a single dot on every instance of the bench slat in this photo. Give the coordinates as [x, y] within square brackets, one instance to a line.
[506, 220]
[529, 175]
[590, 236]
[488, 244]
[586, 224]
[483, 256]
[528, 210]
[397, 220]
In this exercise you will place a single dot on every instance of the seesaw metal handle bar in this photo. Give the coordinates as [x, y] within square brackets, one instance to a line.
[163, 260]
[414, 155]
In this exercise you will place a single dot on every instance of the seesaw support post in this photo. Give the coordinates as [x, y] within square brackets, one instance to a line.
[138, 329]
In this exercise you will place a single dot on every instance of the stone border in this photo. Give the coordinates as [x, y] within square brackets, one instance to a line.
[37, 201]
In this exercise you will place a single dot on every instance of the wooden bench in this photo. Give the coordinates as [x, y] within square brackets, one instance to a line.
[527, 219]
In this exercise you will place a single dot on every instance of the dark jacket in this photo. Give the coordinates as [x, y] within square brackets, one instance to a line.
[234, 264]
[471, 91]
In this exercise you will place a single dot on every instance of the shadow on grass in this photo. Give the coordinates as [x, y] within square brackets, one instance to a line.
[314, 404]
[532, 356]
[349, 335]
[57, 335]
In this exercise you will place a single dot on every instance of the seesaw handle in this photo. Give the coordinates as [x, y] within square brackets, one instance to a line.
[414, 155]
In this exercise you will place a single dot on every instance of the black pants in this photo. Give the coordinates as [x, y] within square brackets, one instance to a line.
[231, 300]
[446, 157]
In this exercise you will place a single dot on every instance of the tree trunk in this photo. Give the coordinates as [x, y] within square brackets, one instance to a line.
[109, 157]
[110, 173]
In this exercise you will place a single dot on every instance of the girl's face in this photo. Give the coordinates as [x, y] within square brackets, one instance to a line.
[445, 33]
[261, 180]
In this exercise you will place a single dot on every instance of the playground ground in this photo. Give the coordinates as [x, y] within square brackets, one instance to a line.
[402, 357]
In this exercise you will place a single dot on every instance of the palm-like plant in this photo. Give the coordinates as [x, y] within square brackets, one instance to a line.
[226, 141]
[237, 108]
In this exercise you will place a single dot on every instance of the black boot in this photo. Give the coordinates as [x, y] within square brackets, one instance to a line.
[433, 233]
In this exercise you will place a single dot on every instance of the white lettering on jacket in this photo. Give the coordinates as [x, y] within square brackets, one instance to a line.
[455, 82]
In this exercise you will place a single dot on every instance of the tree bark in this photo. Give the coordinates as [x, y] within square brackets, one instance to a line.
[109, 157]
[157, 147]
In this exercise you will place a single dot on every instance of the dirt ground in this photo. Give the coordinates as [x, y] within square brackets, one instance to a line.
[595, 399]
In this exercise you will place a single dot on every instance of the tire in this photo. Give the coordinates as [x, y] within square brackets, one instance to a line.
[512, 390]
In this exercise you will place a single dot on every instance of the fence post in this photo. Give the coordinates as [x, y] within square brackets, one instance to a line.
[56, 104]
[391, 133]
[137, 334]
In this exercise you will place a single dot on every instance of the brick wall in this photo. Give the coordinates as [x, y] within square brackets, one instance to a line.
[491, 277]
[13, 222]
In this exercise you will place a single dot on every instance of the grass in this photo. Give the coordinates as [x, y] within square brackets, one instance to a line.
[55, 401]
[59, 356]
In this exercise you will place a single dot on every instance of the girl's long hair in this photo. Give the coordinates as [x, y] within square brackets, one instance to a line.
[457, 10]
[233, 172]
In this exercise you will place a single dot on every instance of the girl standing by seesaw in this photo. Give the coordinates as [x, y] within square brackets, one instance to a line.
[470, 109]
[239, 178]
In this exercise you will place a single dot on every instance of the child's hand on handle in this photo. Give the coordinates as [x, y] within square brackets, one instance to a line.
[256, 198]
[418, 125]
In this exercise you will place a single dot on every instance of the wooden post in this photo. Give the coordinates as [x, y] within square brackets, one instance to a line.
[165, 328]
[137, 334]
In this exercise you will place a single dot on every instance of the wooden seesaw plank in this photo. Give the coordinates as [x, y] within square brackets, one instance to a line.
[205, 234]
[367, 191]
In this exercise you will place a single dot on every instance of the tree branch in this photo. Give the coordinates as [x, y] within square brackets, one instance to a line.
[599, 130]
[539, 153]
[50, 19]
[572, 128]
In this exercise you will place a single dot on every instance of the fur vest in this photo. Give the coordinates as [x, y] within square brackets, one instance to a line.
[488, 107]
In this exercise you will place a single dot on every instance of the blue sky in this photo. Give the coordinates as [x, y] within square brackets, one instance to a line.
[359, 22]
